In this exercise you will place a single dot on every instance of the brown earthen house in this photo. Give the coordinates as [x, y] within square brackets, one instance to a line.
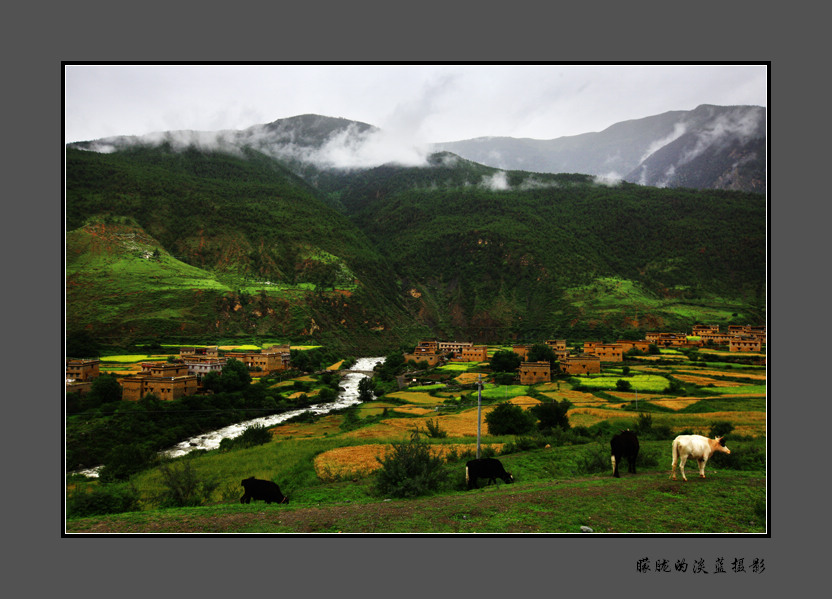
[268, 360]
[165, 380]
[521, 350]
[82, 370]
[639, 345]
[535, 372]
[557, 344]
[426, 347]
[667, 339]
[80, 374]
[199, 352]
[431, 359]
[581, 364]
[608, 352]
[475, 353]
[749, 343]
[455, 347]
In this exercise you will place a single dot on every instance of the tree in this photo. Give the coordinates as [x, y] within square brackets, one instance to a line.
[125, 460]
[409, 470]
[81, 344]
[365, 389]
[509, 419]
[540, 352]
[105, 389]
[552, 415]
[505, 361]
[235, 376]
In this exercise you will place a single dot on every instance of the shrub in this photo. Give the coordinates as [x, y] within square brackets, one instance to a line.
[254, 435]
[509, 419]
[409, 470]
[125, 460]
[593, 459]
[623, 385]
[182, 487]
[552, 414]
[720, 429]
[106, 498]
[432, 430]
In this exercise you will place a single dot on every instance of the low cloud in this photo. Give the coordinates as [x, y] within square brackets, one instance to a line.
[496, 182]
[610, 179]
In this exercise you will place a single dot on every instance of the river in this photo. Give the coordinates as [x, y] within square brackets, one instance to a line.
[348, 396]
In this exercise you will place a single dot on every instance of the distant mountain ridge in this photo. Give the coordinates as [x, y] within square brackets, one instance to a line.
[710, 147]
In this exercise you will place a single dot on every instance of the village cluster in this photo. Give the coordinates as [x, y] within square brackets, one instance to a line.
[179, 377]
[174, 379]
[738, 339]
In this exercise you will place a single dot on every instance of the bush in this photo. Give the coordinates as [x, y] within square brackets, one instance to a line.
[254, 435]
[509, 419]
[125, 460]
[433, 431]
[409, 470]
[720, 429]
[552, 414]
[183, 487]
[106, 498]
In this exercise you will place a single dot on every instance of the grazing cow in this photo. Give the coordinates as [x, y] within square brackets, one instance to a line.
[624, 445]
[697, 447]
[489, 468]
[264, 490]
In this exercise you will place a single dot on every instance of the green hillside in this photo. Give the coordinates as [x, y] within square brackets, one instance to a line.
[240, 245]
[561, 254]
[244, 247]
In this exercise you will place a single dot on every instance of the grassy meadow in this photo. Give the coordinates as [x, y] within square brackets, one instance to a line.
[327, 465]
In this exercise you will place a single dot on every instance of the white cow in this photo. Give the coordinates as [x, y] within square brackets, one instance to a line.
[697, 447]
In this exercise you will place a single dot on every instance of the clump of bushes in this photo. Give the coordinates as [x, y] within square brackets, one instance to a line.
[183, 486]
[101, 498]
[509, 419]
[410, 470]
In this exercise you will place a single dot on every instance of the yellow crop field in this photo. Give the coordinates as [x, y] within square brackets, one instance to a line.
[704, 381]
[413, 410]
[524, 401]
[361, 460]
[326, 425]
[468, 378]
[416, 397]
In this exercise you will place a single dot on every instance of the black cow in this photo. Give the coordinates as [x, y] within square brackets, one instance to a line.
[264, 490]
[489, 468]
[624, 445]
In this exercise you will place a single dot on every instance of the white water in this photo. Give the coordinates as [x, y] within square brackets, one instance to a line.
[347, 397]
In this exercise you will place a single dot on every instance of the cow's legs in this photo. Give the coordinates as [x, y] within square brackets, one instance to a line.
[682, 461]
[702, 467]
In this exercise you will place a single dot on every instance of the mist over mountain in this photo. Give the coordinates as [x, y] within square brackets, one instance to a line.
[717, 147]
[710, 147]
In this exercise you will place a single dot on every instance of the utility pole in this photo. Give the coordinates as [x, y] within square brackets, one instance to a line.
[479, 410]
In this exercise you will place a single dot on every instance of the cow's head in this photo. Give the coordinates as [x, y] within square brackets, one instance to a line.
[720, 445]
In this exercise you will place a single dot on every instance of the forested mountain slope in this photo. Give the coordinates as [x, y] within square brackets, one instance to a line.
[373, 257]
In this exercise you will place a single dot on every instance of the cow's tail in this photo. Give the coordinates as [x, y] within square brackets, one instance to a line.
[675, 454]
[467, 479]
[612, 461]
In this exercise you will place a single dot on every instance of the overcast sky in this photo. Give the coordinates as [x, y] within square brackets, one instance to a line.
[427, 103]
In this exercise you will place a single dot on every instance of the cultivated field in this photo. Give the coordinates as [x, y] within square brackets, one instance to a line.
[324, 463]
